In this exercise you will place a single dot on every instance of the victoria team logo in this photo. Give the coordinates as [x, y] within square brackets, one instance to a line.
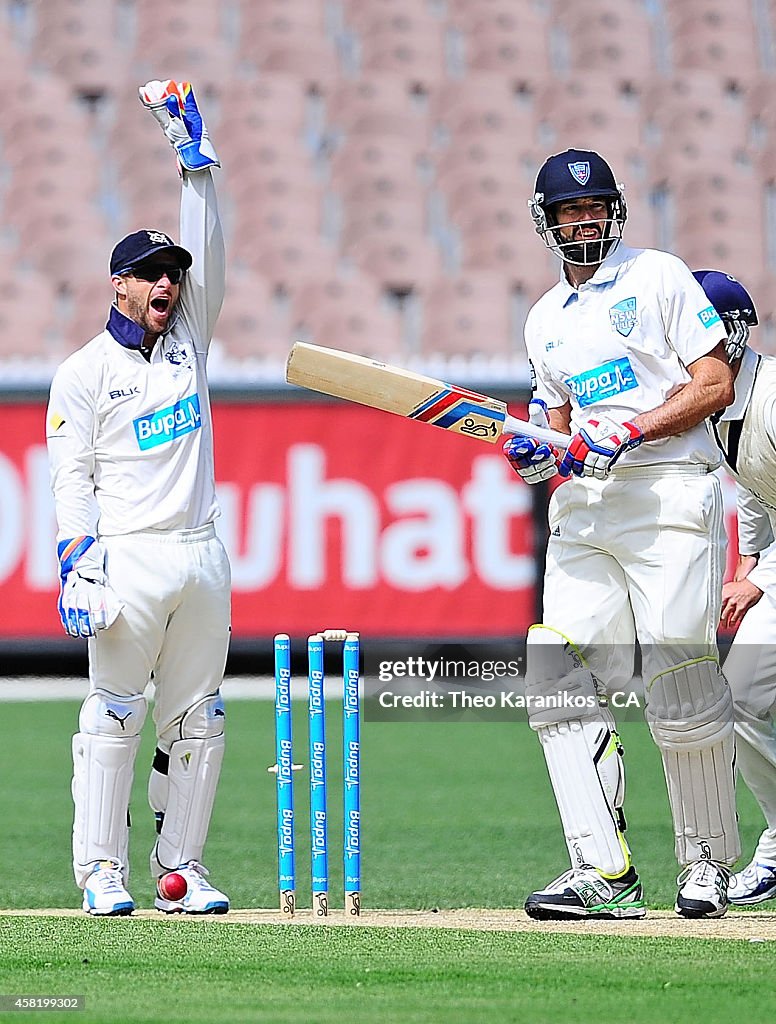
[622, 316]
[178, 355]
[580, 171]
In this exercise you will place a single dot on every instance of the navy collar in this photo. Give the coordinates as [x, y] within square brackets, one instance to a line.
[126, 332]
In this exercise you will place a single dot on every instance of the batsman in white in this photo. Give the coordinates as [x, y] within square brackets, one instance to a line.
[627, 356]
[747, 436]
[143, 575]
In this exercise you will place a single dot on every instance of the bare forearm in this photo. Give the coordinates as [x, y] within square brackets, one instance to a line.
[677, 414]
[709, 391]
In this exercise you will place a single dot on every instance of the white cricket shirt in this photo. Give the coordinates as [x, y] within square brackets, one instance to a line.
[131, 441]
[747, 433]
[620, 345]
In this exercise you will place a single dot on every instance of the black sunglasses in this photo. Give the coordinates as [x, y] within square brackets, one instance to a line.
[155, 271]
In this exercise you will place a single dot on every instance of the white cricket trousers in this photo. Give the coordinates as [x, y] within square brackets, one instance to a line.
[175, 624]
[750, 668]
[637, 556]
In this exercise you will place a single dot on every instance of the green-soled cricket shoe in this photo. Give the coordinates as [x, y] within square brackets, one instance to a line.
[584, 894]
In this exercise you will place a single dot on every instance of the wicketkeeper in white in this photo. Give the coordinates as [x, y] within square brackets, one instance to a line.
[747, 436]
[143, 575]
[627, 356]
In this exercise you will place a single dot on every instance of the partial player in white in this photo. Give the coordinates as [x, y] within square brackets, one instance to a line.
[627, 357]
[747, 436]
[144, 576]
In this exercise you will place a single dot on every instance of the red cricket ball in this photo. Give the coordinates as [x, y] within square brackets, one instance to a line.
[172, 886]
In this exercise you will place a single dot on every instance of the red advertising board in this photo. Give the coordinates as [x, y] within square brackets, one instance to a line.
[333, 515]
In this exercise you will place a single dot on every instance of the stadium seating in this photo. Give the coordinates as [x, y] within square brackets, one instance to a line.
[615, 35]
[377, 157]
[468, 315]
[712, 34]
[348, 311]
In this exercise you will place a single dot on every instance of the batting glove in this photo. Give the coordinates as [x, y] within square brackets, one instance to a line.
[597, 447]
[174, 106]
[533, 460]
[86, 602]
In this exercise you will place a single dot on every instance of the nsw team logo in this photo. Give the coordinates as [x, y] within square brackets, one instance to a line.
[580, 171]
[623, 317]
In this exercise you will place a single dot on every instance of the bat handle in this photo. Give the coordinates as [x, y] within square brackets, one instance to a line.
[512, 425]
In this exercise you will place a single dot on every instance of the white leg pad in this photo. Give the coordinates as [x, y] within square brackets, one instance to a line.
[582, 751]
[586, 772]
[690, 716]
[558, 685]
[104, 754]
[183, 798]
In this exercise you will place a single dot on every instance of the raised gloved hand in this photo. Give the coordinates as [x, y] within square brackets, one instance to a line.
[174, 106]
[533, 460]
[598, 445]
[86, 601]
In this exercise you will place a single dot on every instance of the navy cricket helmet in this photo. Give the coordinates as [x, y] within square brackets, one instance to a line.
[735, 307]
[577, 174]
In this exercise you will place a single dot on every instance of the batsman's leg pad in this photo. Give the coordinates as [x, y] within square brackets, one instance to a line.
[104, 754]
[690, 716]
[586, 771]
[183, 798]
[582, 752]
[559, 687]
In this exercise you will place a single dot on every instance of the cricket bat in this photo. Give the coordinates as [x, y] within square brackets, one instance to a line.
[404, 393]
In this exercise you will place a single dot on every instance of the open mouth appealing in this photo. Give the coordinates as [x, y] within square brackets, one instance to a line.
[161, 304]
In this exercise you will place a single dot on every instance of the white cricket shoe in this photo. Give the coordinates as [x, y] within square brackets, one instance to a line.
[584, 893]
[703, 890]
[104, 892]
[201, 897]
[757, 882]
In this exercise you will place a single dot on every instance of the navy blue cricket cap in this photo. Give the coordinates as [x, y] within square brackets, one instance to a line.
[140, 246]
[574, 174]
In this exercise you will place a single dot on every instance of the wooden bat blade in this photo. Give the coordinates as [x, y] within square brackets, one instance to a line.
[405, 393]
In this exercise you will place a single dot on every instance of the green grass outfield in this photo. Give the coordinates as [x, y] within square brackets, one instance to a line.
[455, 814]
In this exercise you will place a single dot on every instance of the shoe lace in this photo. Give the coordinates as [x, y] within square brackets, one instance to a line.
[108, 875]
[702, 872]
[198, 873]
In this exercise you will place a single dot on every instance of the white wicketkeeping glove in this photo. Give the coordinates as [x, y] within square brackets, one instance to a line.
[174, 106]
[86, 601]
[598, 445]
[534, 461]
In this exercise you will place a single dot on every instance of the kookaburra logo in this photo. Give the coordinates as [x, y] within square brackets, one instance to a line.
[705, 850]
[110, 713]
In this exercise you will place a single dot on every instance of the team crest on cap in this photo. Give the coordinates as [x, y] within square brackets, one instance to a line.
[159, 237]
[580, 171]
[623, 316]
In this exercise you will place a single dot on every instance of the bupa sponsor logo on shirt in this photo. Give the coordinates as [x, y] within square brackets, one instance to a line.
[168, 424]
[622, 316]
[602, 382]
[709, 316]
